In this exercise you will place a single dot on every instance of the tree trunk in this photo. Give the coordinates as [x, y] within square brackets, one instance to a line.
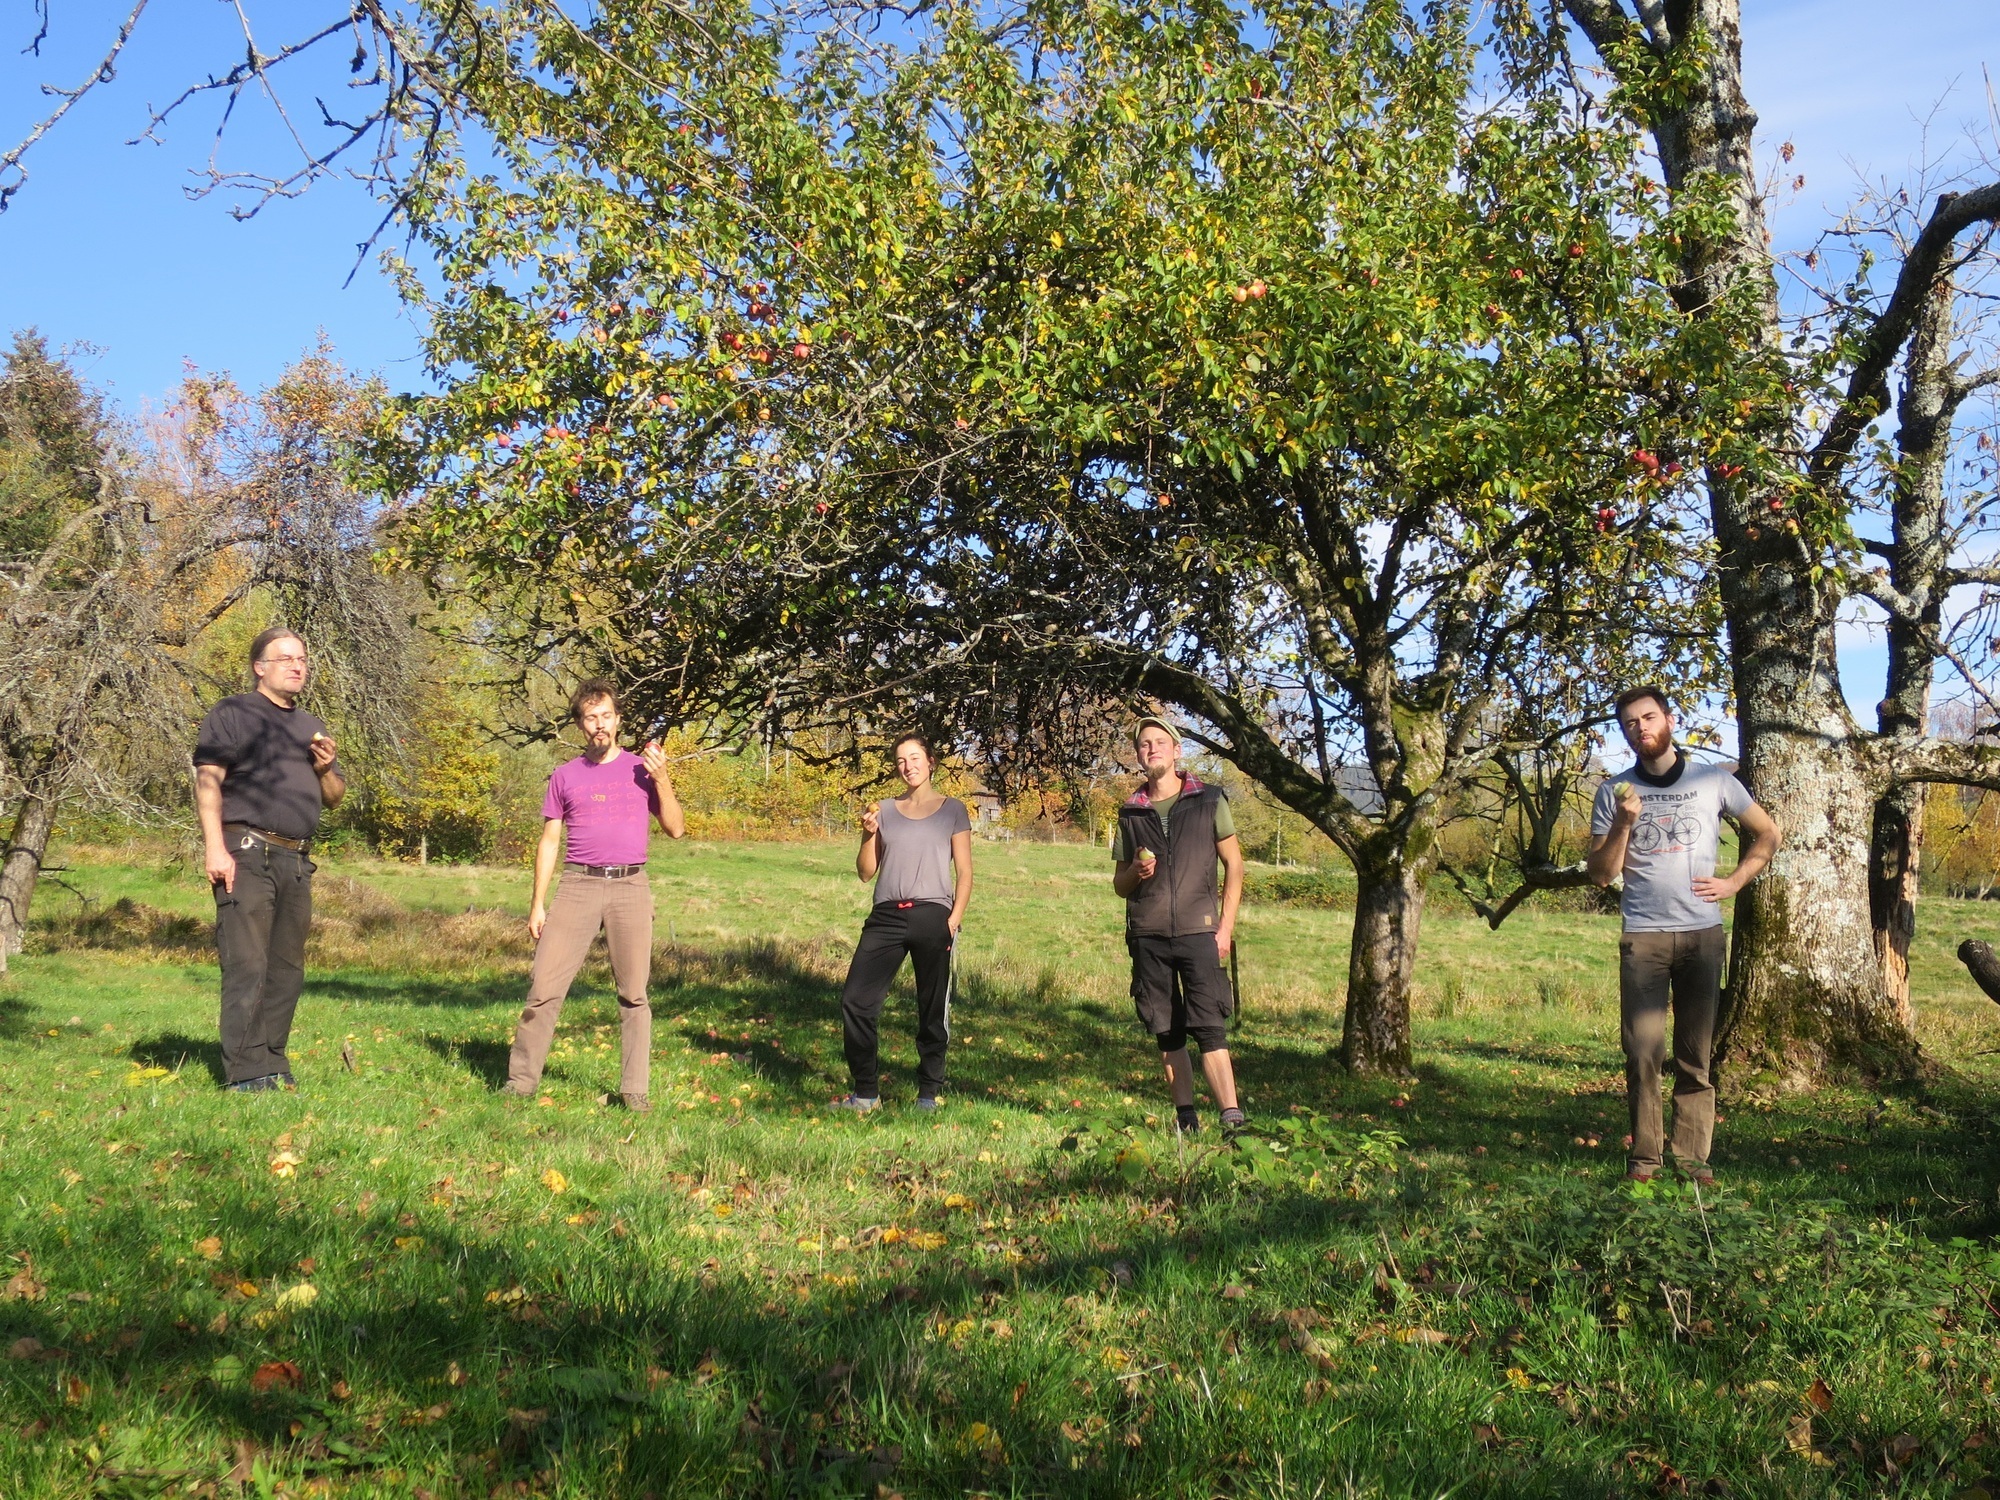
[1388, 911]
[1920, 552]
[1805, 986]
[1893, 866]
[22, 864]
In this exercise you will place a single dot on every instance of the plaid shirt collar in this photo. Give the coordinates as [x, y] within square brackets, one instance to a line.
[1189, 783]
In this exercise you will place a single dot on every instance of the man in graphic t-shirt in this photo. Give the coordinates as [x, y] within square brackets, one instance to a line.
[605, 800]
[264, 769]
[1659, 824]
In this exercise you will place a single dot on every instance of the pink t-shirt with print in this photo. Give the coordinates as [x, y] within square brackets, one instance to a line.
[605, 808]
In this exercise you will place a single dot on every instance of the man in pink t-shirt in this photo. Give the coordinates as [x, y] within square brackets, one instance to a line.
[606, 799]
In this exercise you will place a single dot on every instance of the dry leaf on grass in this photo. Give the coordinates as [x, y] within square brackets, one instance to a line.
[1819, 1396]
[277, 1375]
[209, 1249]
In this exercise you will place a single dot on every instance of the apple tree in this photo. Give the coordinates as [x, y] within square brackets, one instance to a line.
[1256, 365]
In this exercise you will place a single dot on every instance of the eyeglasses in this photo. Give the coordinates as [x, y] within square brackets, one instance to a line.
[282, 661]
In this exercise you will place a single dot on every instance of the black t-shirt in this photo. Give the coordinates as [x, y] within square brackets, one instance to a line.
[268, 778]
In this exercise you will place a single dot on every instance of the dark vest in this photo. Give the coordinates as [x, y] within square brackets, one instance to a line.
[1181, 899]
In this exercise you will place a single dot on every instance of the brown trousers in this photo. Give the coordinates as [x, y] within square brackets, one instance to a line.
[1652, 968]
[583, 904]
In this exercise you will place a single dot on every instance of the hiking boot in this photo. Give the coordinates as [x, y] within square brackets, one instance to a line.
[857, 1104]
[261, 1085]
[927, 1101]
[1187, 1120]
[639, 1104]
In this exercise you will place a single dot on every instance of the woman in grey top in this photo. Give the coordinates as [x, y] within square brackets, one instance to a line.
[917, 848]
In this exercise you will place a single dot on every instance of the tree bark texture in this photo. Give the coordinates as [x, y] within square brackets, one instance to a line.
[21, 864]
[1388, 913]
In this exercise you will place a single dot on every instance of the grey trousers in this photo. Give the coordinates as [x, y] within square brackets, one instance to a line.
[260, 939]
[584, 904]
[1654, 970]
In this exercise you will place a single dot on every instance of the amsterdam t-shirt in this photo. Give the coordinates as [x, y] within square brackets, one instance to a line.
[916, 853]
[1673, 844]
[268, 780]
[605, 807]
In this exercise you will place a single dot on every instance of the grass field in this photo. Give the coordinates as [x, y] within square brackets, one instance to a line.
[396, 1283]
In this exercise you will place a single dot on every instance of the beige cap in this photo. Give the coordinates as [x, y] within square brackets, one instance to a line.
[1156, 722]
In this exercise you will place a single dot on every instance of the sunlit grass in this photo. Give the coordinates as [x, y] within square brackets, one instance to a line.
[1037, 1292]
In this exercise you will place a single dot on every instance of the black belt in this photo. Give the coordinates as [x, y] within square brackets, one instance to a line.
[297, 846]
[606, 872]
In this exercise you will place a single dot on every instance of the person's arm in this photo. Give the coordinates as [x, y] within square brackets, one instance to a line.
[546, 854]
[961, 870]
[215, 856]
[868, 858]
[332, 785]
[667, 809]
[1607, 850]
[1230, 852]
[1764, 842]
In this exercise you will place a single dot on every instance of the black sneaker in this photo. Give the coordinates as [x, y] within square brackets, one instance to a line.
[927, 1101]
[1187, 1119]
[255, 1085]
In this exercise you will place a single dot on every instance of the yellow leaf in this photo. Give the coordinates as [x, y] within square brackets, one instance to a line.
[554, 1181]
[297, 1298]
[209, 1249]
[926, 1239]
[892, 1236]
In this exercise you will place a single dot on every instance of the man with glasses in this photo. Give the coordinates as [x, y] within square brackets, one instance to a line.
[264, 769]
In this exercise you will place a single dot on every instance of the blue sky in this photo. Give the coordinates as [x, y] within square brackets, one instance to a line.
[103, 248]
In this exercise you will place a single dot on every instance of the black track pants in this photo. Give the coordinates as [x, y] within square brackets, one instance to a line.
[923, 930]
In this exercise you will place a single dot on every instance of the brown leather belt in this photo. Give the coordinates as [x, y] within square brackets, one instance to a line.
[297, 846]
[605, 872]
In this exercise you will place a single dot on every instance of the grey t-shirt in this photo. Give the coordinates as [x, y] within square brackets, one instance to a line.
[268, 777]
[1673, 844]
[916, 853]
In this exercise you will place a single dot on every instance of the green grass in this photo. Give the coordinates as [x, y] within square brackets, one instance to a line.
[1396, 1291]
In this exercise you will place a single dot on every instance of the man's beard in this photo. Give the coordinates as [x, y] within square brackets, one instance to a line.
[1650, 749]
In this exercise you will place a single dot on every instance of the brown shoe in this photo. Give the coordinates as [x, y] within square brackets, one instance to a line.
[1700, 1173]
[1641, 1174]
[639, 1104]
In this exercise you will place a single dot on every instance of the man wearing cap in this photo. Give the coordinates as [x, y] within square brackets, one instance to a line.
[264, 769]
[605, 801]
[1659, 824]
[1171, 833]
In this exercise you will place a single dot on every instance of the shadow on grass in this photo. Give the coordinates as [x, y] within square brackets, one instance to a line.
[485, 1060]
[15, 1019]
[362, 987]
[461, 1359]
[173, 1050]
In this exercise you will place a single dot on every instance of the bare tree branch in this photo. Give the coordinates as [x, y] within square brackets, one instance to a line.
[103, 73]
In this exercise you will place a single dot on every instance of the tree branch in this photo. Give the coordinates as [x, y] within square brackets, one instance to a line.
[1867, 387]
[104, 73]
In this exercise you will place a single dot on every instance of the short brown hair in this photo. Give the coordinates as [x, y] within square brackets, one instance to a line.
[1634, 694]
[265, 638]
[588, 692]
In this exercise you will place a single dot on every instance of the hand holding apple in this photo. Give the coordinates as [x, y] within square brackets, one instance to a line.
[323, 750]
[871, 820]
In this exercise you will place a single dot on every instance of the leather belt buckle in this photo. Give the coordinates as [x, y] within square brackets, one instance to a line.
[249, 841]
